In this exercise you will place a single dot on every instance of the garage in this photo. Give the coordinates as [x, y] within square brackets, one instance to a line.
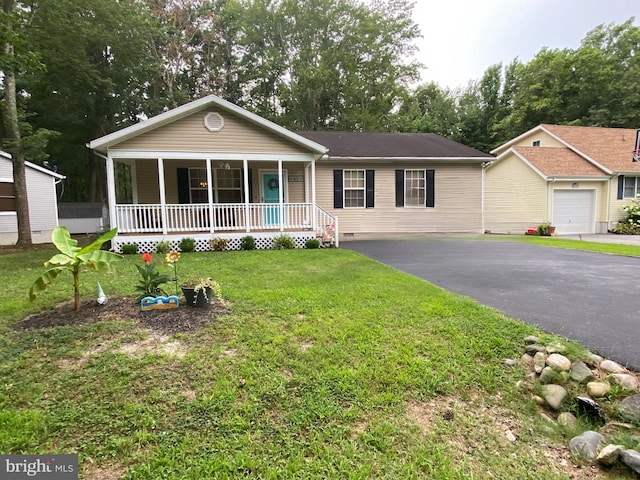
[573, 211]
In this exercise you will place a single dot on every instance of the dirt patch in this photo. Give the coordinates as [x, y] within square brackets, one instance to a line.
[154, 343]
[170, 321]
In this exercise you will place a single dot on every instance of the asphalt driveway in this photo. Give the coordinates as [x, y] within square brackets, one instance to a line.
[590, 297]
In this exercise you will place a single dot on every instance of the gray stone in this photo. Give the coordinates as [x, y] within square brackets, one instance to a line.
[586, 445]
[509, 362]
[598, 389]
[625, 380]
[547, 418]
[510, 436]
[555, 348]
[527, 361]
[554, 395]
[593, 359]
[631, 458]
[559, 362]
[609, 366]
[609, 454]
[548, 375]
[531, 339]
[539, 361]
[629, 408]
[567, 420]
[532, 349]
[539, 400]
[580, 372]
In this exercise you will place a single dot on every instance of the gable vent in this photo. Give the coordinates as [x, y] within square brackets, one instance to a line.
[213, 122]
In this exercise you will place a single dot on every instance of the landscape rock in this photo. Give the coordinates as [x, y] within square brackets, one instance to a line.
[548, 375]
[559, 362]
[629, 408]
[527, 361]
[531, 339]
[555, 348]
[586, 445]
[580, 372]
[609, 454]
[598, 389]
[631, 458]
[539, 400]
[509, 362]
[625, 380]
[593, 359]
[510, 436]
[539, 361]
[554, 395]
[533, 349]
[547, 418]
[590, 407]
[567, 420]
[609, 366]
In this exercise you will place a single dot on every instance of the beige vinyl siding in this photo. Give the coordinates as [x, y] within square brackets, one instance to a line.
[616, 213]
[458, 193]
[515, 197]
[600, 188]
[545, 139]
[190, 135]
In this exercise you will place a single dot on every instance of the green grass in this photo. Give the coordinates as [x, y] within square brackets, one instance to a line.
[329, 365]
[557, 242]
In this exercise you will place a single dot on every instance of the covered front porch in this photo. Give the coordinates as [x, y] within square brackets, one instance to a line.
[169, 197]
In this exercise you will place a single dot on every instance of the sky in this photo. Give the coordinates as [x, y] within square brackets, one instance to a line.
[462, 38]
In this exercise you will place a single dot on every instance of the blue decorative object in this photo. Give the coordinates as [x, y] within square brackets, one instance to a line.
[159, 303]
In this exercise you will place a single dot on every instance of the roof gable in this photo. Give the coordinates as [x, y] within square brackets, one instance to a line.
[102, 144]
[393, 145]
[7, 156]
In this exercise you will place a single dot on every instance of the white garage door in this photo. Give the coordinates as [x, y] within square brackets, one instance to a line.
[573, 211]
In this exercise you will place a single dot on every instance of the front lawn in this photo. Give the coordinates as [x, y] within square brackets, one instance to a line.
[328, 365]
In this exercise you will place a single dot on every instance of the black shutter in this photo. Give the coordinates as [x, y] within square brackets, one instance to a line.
[250, 187]
[183, 185]
[370, 183]
[620, 187]
[430, 194]
[338, 201]
[399, 188]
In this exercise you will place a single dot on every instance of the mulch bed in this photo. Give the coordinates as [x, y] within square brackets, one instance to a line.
[169, 321]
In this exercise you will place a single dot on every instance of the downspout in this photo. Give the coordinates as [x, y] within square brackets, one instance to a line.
[484, 167]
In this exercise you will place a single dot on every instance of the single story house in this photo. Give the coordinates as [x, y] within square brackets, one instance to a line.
[574, 178]
[42, 197]
[212, 169]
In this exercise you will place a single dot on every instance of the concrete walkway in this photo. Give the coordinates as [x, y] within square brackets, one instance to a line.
[606, 238]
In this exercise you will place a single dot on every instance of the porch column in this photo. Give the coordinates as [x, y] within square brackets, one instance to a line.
[210, 196]
[163, 195]
[313, 194]
[111, 190]
[281, 195]
[247, 200]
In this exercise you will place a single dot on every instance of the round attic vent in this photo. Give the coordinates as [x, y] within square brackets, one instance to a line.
[213, 121]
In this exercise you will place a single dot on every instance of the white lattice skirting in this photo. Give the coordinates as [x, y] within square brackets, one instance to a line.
[264, 241]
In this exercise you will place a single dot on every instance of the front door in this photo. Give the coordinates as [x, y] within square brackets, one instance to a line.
[271, 189]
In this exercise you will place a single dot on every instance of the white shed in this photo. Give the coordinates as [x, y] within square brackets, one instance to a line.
[43, 202]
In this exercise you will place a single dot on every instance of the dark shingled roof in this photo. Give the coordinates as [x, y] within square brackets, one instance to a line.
[392, 145]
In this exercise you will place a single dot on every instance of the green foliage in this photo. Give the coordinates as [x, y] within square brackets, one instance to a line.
[150, 280]
[543, 229]
[163, 247]
[630, 225]
[219, 244]
[73, 259]
[284, 242]
[312, 243]
[247, 243]
[187, 244]
[129, 248]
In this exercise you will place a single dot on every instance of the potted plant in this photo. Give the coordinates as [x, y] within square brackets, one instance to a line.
[199, 291]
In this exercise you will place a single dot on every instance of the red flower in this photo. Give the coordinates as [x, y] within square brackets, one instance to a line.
[146, 258]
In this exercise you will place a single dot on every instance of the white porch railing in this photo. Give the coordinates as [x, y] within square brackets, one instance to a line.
[238, 217]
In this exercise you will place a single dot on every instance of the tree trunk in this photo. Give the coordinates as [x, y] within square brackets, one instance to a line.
[14, 142]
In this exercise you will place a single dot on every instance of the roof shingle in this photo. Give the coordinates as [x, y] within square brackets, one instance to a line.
[392, 145]
[559, 162]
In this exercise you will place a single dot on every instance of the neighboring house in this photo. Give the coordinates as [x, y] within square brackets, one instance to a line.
[212, 169]
[575, 178]
[42, 197]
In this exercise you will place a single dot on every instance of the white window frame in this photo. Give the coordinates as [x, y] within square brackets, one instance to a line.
[636, 186]
[407, 204]
[215, 187]
[352, 188]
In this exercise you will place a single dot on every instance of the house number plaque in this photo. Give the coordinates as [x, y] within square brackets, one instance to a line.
[296, 178]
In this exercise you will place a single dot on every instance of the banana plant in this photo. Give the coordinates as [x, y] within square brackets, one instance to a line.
[74, 259]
